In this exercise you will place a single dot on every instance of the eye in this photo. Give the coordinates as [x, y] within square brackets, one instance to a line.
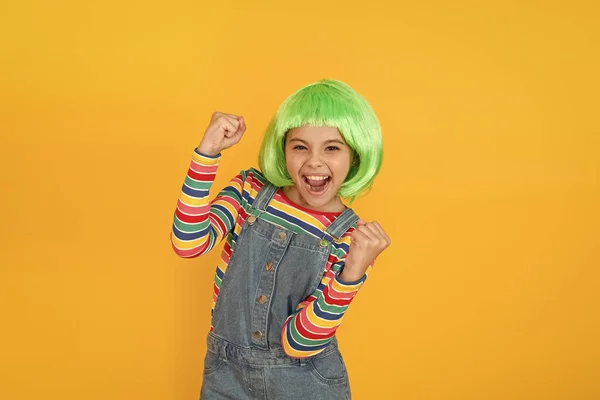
[332, 148]
[299, 147]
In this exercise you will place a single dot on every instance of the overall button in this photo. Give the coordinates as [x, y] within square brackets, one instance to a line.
[323, 243]
[251, 219]
[262, 299]
[281, 235]
[269, 266]
[257, 335]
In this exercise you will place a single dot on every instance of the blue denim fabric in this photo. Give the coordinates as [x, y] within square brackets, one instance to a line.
[270, 272]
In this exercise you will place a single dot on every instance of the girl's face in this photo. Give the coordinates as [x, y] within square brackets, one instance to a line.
[318, 160]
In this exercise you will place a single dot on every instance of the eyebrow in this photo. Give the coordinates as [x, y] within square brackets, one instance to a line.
[335, 141]
[326, 142]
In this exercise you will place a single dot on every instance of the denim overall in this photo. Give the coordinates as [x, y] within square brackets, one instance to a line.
[270, 272]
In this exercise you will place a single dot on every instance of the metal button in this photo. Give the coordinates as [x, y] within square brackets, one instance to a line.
[281, 235]
[262, 299]
[269, 266]
[324, 243]
[251, 219]
[257, 335]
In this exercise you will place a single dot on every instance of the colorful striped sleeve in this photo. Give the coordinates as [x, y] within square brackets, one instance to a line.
[307, 331]
[199, 224]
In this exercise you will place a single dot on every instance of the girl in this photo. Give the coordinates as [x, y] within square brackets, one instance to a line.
[295, 256]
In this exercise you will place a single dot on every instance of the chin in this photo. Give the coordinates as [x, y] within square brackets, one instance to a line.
[316, 202]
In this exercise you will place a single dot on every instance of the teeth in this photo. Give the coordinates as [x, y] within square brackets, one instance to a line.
[317, 178]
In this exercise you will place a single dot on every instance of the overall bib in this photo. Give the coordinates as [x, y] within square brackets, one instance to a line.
[271, 271]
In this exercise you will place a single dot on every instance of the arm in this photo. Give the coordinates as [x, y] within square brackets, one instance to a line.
[307, 331]
[199, 224]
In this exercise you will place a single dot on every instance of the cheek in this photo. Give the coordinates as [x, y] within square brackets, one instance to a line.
[293, 165]
[341, 165]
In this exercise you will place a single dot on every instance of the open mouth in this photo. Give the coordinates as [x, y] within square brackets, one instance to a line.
[316, 184]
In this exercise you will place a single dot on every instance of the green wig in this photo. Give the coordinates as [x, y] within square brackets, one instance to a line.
[326, 103]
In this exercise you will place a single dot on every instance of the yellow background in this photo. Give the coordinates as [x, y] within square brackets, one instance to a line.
[489, 189]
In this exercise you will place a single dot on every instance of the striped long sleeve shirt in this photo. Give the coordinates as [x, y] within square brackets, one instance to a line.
[200, 223]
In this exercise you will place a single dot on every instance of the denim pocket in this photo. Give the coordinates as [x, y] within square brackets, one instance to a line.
[329, 368]
[212, 362]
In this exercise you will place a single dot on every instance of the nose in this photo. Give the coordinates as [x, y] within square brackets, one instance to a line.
[315, 160]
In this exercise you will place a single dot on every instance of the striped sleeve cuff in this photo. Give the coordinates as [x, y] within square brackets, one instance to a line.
[342, 286]
[204, 159]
